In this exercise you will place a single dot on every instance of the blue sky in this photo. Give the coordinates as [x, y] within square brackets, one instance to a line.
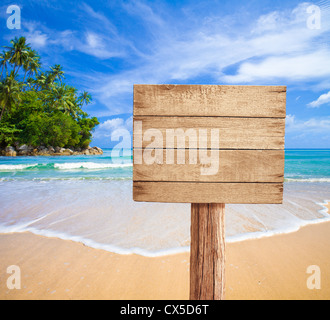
[107, 46]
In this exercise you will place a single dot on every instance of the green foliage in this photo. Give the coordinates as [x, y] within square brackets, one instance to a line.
[8, 133]
[53, 130]
[37, 108]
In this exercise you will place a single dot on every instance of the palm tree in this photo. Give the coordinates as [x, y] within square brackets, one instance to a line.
[62, 98]
[30, 82]
[9, 93]
[57, 72]
[41, 81]
[32, 63]
[46, 80]
[4, 59]
[84, 98]
[50, 80]
[18, 53]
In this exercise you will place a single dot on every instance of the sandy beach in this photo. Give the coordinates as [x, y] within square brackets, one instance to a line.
[165, 151]
[267, 268]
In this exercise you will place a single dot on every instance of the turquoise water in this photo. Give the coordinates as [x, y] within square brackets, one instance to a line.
[88, 199]
[106, 166]
[300, 165]
[307, 165]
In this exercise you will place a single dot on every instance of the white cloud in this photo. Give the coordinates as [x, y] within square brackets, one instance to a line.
[290, 119]
[37, 39]
[309, 66]
[98, 19]
[143, 10]
[34, 36]
[286, 49]
[97, 45]
[323, 99]
[106, 129]
[277, 47]
[114, 132]
[95, 36]
[310, 126]
[93, 40]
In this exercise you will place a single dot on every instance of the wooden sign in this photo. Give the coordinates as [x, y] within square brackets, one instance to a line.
[208, 143]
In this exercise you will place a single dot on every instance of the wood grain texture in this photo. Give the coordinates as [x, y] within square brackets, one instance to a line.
[232, 166]
[234, 133]
[247, 124]
[210, 100]
[208, 192]
[207, 252]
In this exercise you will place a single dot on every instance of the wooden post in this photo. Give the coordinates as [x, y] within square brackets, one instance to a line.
[207, 251]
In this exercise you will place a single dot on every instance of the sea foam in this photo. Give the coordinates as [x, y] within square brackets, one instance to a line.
[102, 215]
[90, 165]
[64, 166]
[14, 167]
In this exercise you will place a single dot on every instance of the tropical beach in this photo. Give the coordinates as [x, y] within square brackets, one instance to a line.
[74, 77]
[72, 227]
[270, 268]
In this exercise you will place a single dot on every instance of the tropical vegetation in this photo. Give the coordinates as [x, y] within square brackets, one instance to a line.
[36, 107]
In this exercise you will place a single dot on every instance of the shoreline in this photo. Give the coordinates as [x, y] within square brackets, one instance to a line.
[266, 268]
[29, 151]
[258, 235]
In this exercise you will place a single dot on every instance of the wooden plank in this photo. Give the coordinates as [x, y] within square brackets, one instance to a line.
[207, 251]
[234, 133]
[205, 192]
[210, 100]
[231, 165]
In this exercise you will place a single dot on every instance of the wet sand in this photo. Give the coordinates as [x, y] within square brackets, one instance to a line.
[267, 268]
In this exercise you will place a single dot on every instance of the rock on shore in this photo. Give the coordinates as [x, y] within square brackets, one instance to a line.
[24, 150]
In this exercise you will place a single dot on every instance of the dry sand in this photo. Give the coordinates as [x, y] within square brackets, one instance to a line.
[268, 268]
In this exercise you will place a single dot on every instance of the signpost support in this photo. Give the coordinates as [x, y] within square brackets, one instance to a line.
[207, 252]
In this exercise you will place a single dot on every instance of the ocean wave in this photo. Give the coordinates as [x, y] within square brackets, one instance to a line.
[15, 167]
[25, 227]
[90, 165]
[64, 166]
[136, 231]
[93, 244]
[307, 179]
[49, 179]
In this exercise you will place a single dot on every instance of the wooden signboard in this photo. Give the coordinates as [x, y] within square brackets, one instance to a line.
[208, 145]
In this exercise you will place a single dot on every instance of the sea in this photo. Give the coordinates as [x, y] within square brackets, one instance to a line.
[88, 199]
